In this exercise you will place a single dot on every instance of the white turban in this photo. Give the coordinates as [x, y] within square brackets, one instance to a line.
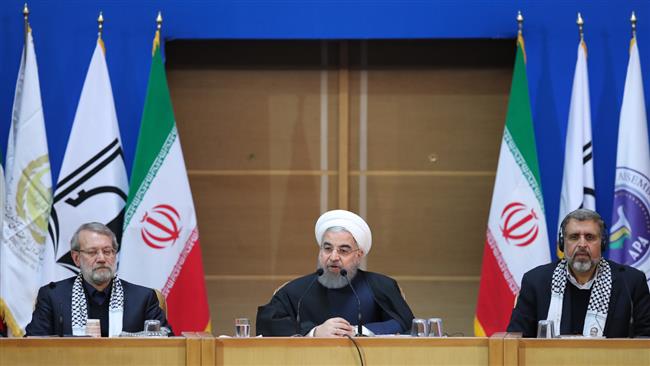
[348, 220]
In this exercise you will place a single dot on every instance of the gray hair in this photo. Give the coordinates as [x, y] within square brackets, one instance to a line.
[584, 214]
[95, 227]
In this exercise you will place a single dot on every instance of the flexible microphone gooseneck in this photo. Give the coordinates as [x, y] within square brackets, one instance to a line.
[318, 273]
[344, 273]
[630, 328]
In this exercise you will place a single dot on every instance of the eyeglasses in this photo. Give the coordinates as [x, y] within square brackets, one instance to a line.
[343, 251]
[93, 253]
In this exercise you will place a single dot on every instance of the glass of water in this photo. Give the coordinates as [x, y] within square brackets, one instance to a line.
[419, 328]
[152, 325]
[242, 327]
[545, 329]
[435, 327]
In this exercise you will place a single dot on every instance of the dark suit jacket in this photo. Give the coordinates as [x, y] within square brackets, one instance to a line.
[627, 284]
[278, 317]
[55, 301]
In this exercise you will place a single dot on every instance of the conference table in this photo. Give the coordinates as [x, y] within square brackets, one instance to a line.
[203, 349]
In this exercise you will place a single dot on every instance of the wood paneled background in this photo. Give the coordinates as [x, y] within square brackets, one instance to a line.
[259, 124]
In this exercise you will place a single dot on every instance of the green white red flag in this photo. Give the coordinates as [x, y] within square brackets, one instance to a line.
[516, 237]
[160, 243]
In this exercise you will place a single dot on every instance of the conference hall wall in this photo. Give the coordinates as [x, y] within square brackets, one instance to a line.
[260, 123]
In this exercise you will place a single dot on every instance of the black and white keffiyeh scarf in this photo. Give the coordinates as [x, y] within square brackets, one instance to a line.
[598, 301]
[80, 309]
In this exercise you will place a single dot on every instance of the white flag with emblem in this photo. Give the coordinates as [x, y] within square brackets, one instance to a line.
[92, 184]
[28, 198]
[578, 179]
[629, 240]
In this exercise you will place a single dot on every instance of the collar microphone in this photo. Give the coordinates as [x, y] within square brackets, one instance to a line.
[344, 273]
[319, 272]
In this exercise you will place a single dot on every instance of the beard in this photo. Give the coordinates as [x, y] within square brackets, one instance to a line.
[333, 280]
[582, 265]
[99, 275]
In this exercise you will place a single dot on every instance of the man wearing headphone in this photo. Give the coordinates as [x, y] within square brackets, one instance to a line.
[583, 294]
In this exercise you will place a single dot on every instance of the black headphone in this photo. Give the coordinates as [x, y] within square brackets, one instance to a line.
[603, 235]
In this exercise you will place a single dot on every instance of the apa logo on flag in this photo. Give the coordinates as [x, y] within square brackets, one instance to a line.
[161, 226]
[519, 224]
[631, 229]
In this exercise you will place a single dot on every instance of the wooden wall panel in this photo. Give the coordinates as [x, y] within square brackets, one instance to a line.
[453, 301]
[427, 226]
[238, 298]
[462, 132]
[233, 119]
[258, 225]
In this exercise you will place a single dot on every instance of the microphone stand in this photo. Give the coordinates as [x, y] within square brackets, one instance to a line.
[344, 273]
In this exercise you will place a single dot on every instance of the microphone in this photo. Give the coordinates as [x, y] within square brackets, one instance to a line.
[318, 273]
[629, 296]
[344, 273]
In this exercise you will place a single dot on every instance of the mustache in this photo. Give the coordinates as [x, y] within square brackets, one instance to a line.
[102, 267]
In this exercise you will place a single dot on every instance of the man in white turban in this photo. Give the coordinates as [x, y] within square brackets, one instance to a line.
[324, 304]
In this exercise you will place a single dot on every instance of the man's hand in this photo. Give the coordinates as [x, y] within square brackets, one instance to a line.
[334, 327]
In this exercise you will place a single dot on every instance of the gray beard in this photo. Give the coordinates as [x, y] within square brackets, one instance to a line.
[98, 277]
[582, 266]
[334, 280]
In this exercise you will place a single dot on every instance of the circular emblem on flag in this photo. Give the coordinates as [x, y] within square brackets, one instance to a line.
[33, 197]
[519, 224]
[629, 238]
[160, 227]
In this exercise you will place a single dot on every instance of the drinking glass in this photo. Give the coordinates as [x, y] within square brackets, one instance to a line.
[152, 325]
[242, 327]
[419, 328]
[435, 327]
[545, 329]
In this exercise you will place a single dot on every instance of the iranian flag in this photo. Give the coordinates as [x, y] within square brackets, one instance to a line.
[516, 237]
[160, 243]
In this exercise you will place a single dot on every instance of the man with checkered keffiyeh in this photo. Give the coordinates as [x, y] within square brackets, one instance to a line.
[583, 294]
[64, 307]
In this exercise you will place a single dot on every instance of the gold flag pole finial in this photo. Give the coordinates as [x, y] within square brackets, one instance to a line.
[633, 21]
[159, 21]
[581, 24]
[520, 22]
[100, 25]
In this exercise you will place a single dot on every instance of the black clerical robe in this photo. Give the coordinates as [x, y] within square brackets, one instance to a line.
[278, 317]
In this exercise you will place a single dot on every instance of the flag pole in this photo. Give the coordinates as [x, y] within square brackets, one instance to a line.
[26, 20]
